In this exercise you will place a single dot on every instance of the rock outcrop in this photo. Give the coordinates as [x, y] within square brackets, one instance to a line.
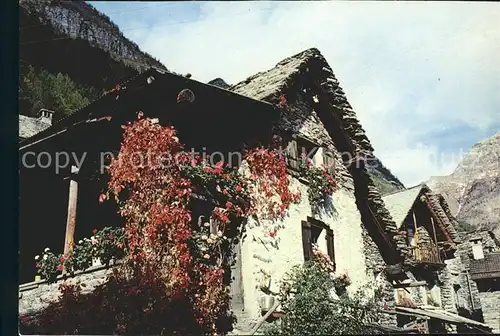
[473, 189]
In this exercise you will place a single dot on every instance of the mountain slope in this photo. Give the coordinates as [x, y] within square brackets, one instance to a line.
[473, 189]
[73, 38]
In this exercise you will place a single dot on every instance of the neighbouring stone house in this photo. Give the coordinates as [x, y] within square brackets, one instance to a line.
[433, 268]
[362, 235]
[478, 282]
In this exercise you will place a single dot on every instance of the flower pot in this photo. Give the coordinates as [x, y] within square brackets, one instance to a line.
[38, 278]
[266, 302]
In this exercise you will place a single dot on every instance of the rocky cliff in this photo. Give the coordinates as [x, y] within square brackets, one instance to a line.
[73, 38]
[473, 189]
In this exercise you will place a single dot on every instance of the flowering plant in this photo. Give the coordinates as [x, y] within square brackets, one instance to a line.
[47, 265]
[66, 262]
[222, 181]
[107, 244]
[341, 282]
[323, 260]
[406, 302]
[270, 192]
[321, 183]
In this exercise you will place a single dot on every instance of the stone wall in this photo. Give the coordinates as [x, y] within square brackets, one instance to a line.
[37, 295]
[490, 302]
[375, 266]
[276, 256]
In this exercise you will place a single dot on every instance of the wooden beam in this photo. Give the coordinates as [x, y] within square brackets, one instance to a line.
[417, 250]
[435, 238]
[410, 284]
[71, 219]
[269, 313]
[443, 228]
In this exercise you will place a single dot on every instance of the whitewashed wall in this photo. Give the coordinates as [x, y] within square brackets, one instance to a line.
[258, 251]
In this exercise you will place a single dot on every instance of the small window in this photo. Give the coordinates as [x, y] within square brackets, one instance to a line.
[292, 155]
[305, 147]
[311, 231]
[298, 146]
[329, 161]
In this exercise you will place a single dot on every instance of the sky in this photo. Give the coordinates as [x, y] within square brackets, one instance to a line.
[423, 77]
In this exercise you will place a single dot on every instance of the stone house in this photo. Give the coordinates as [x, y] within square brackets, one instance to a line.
[364, 237]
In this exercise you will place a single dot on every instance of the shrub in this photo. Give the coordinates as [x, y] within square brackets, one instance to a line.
[311, 305]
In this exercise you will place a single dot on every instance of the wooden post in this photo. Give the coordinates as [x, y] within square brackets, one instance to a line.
[71, 219]
[417, 251]
[435, 239]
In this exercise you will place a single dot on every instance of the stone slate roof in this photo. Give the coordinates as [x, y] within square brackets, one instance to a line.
[400, 203]
[306, 74]
[268, 85]
[489, 267]
[29, 126]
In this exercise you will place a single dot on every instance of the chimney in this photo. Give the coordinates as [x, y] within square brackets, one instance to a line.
[45, 116]
[477, 248]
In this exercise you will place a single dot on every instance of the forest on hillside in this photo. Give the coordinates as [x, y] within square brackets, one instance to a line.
[39, 89]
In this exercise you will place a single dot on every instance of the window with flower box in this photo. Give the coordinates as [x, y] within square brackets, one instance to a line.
[311, 231]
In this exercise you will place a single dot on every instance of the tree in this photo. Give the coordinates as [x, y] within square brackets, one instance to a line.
[40, 89]
[314, 302]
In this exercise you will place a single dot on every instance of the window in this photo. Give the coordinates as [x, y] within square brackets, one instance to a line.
[296, 147]
[328, 161]
[311, 231]
[306, 147]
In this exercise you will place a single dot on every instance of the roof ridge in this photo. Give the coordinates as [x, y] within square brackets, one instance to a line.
[305, 56]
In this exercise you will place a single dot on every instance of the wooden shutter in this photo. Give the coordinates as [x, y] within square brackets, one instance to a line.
[329, 161]
[330, 245]
[307, 240]
[292, 155]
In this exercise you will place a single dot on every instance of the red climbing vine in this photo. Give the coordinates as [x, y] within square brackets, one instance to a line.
[175, 274]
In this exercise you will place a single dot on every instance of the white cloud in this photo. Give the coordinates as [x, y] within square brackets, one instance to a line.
[407, 68]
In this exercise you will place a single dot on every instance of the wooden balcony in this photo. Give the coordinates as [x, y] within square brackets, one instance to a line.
[426, 253]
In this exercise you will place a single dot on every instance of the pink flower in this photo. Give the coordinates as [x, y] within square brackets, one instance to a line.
[102, 198]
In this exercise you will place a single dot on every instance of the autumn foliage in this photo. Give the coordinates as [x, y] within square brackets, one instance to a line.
[175, 276]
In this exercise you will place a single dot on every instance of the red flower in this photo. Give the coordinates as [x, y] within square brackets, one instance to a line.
[111, 236]
[239, 188]
[60, 268]
[102, 198]
[229, 204]
[282, 102]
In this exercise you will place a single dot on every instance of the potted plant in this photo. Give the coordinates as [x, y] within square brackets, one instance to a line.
[47, 266]
[266, 302]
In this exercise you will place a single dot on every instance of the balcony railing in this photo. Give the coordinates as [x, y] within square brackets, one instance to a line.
[426, 253]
